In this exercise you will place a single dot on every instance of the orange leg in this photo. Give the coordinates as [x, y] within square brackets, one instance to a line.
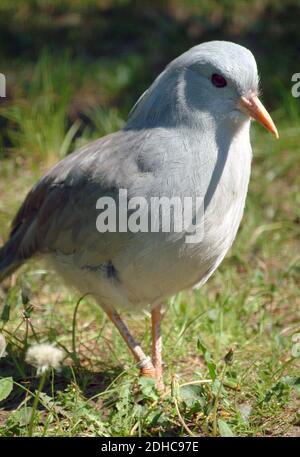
[144, 362]
[156, 317]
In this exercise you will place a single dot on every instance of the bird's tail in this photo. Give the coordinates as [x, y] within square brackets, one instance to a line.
[9, 259]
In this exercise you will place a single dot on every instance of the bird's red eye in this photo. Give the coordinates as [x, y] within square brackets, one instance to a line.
[218, 80]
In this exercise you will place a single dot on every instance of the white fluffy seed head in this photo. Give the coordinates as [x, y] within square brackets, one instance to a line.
[44, 357]
[2, 346]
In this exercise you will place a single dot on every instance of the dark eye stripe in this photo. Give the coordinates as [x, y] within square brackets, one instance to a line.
[218, 80]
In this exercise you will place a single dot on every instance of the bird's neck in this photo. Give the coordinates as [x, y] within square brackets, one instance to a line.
[162, 105]
[165, 105]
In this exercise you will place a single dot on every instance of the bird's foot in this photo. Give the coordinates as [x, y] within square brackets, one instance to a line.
[147, 368]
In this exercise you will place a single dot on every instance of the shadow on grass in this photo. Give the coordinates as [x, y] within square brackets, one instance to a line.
[88, 382]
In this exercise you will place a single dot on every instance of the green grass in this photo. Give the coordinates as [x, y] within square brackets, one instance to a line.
[237, 334]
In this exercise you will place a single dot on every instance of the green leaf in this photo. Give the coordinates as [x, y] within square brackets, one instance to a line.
[281, 390]
[192, 395]
[292, 381]
[6, 386]
[148, 388]
[208, 359]
[22, 416]
[212, 369]
[297, 386]
[201, 347]
[224, 429]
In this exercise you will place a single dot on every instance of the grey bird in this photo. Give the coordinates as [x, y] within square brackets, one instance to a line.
[187, 135]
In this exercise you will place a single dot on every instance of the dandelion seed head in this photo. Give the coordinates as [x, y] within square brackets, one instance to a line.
[44, 357]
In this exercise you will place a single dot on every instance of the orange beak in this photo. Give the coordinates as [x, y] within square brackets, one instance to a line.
[253, 107]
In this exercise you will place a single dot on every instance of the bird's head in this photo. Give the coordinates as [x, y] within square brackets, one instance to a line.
[217, 80]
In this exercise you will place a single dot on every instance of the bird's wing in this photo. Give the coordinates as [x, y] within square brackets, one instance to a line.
[59, 213]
